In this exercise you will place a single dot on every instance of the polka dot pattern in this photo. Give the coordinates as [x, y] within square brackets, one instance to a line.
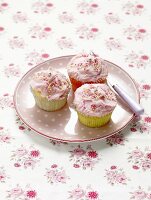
[64, 124]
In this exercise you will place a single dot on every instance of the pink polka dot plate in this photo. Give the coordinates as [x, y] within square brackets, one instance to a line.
[63, 125]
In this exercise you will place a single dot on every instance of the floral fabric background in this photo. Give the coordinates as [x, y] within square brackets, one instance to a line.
[32, 167]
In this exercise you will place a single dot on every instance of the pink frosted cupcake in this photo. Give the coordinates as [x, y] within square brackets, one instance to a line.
[94, 104]
[86, 68]
[50, 89]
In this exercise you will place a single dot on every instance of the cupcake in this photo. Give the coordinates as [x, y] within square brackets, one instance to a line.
[94, 104]
[50, 89]
[86, 68]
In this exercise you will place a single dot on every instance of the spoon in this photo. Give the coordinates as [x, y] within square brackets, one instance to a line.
[132, 104]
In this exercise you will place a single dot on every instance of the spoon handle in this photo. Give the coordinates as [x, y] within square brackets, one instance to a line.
[134, 106]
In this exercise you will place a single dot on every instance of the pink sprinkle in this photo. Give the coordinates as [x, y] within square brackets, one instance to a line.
[146, 87]
[1, 128]
[6, 94]
[17, 165]
[147, 119]
[47, 29]
[110, 13]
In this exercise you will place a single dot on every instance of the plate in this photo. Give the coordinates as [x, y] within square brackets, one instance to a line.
[63, 125]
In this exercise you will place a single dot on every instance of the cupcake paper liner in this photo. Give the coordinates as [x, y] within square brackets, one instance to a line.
[45, 104]
[93, 122]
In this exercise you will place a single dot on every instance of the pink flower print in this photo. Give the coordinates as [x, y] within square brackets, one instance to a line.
[20, 17]
[92, 195]
[27, 158]
[3, 7]
[87, 32]
[83, 194]
[21, 125]
[88, 8]
[17, 42]
[78, 152]
[145, 90]
[117, 139]
[147, 119]
[58, 143]
[34, 153]
[56, 175]
[143, 125]
[77, 193]
[135, 33]
[84, 158]
[34, 58]
[42, 7]
[40, 32]
[65, 43]
[3, 175]
[113, 44]
[92, 154]
[6, 101]
[5, 136]
[31, 194]
[29, 163]
[12, 70]
[139, 194]
[66, 17]
[137, 60]
[112, 18]
[15, 193]
[140, 160]
[116, 176]
[131, 8]
[2, 30]
[20, 193]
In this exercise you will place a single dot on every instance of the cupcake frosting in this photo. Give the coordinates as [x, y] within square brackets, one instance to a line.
[51, 84]
[87, 67]
[94, 100]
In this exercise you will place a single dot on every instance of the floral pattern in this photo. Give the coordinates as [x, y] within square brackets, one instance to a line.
[6, 101]
[26, 157]
[143, 125]
[5, 136]
[140, 159]
[22, 193]
[3, 175]
[78, 193]
[34, 31]
[40, 32]
[138, 60]
[141, 194]
[12, 71]
[116, 175]
[87, 158]
[21, 125]
[113, 44]
[117, 139]
[56, 174]
[87, 32]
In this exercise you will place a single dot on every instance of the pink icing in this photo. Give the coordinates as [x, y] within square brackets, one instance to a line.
[52, 84]
[87, 67]
[94, 100]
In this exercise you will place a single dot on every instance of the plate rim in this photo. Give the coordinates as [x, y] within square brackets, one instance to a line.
[68, 140]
